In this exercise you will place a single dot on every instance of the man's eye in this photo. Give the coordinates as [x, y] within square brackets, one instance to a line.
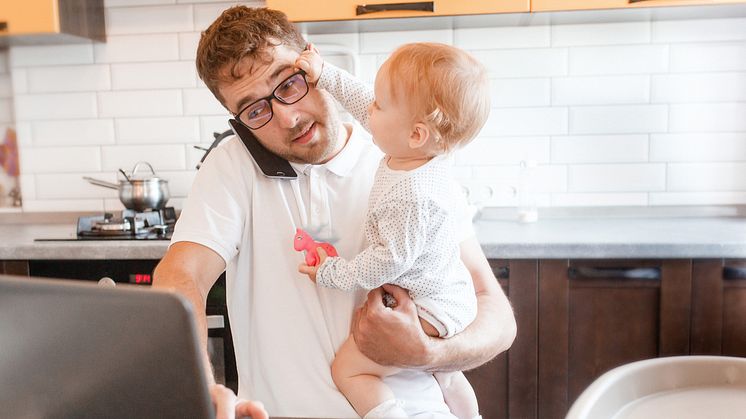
[254, 112]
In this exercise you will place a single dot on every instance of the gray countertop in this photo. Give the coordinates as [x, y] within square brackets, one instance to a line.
[711, 232]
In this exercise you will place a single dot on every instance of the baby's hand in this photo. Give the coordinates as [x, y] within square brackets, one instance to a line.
[308, 270]
[311, 62]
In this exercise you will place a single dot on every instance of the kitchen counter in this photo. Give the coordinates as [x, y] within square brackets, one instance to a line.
[673, 232]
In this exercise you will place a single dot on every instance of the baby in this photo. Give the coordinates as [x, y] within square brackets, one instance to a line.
[429, 100]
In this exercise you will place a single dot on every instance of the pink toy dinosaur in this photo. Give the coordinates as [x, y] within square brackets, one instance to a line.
[304, 242]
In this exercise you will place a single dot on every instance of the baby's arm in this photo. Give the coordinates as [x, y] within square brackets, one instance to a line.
[402, 231]
[354, 95]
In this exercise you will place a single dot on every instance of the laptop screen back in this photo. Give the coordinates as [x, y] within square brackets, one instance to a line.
[70, 349]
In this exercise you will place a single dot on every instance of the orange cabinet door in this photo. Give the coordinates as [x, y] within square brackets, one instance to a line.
[29, 16]
[309, 11]
[552, 5]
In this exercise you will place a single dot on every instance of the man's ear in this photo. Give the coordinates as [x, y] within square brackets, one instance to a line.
[420, 135]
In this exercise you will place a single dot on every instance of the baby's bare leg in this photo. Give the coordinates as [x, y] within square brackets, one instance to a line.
[360, 379]
[457, 392]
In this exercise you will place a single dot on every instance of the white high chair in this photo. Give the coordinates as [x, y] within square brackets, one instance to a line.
[676, 387]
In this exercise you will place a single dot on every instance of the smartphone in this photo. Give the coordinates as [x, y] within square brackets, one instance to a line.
[271, 165]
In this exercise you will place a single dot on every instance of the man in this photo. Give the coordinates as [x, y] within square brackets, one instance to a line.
[286, 329]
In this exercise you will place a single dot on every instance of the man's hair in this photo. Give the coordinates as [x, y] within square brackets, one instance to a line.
[242, 32]
[445, 87]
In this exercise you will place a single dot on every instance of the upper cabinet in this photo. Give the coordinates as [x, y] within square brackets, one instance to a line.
[310, 10]
[552, 5]
[30, 22]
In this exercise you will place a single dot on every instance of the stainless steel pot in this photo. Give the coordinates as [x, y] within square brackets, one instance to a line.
[139, 192]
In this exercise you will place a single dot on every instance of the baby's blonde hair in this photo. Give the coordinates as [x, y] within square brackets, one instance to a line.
[445, 87]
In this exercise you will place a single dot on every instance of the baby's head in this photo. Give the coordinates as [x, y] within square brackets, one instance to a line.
[444, 88]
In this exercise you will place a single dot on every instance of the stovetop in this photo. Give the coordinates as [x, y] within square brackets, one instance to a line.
[129, 225]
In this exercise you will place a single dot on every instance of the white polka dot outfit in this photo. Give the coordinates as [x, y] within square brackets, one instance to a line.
[411, 230]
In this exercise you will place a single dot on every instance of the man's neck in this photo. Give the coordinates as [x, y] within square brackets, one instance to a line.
[345, 133]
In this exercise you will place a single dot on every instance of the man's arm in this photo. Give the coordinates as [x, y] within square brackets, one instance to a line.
[191, 269]
[394, 337]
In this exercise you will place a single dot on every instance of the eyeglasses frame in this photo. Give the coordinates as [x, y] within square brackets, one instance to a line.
[269, 98]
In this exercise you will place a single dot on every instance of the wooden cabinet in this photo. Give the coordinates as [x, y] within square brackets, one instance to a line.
[506, 387]
[14, 267]
[599, 314]
[719, 307]
[554, 5]
[51, 21]
[309, 11]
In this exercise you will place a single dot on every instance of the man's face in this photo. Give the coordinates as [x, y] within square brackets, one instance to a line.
[308, 131]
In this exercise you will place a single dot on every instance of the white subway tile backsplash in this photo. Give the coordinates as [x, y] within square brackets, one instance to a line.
[715, 117]
[708, 57]
[600, 149]
[202, 102]
[617, 178]
[205, 14]
[520, 92]
[60, 159]
[386, 42]
[6, 111]
[63, 186]
[697, 198]
[137, 48]
[330, 42]
[188, 43]
[6, 86]
[631, 119]
[638, 59]
[152, 19]
[624, 33]
[161, 157]
[699, 30]
[700, 147]
[26, 56]
[78, 78]
[707, 177]
[73, 132]
[502, 37]
[506, 150]
[28, 186]
[180, 182]
[537, 62]
[23, 134]
[55, 106]
[161, 75]
[547, 178]
[599, 199]
[157, 130]
[709, 87]
[212, 124]
[600, 90]
[144, 103]
[19, 81]
[63, 205]
[526, 121]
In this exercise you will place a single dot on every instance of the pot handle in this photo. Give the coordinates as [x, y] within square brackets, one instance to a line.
[101, 183]
[137, 166]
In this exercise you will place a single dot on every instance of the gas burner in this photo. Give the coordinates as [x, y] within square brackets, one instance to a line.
[130, 225]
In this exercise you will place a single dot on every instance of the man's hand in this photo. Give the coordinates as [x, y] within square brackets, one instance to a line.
[228, 406]
[311, 62]
[391, 336]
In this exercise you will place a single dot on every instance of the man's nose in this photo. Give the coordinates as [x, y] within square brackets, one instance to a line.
[287, 115]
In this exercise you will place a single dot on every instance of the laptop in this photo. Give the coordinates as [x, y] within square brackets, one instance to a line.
[73, 349]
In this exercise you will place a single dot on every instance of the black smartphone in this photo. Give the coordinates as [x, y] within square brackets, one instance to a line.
[271, 164]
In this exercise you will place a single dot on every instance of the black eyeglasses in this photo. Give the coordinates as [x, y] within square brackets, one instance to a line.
[258, 113]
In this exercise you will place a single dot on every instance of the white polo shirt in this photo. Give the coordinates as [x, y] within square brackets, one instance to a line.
[286, 330]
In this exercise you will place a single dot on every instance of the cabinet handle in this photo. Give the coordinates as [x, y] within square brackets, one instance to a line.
[421, 6]
[3, 26]
[587, 272]
[502, 272]
[730, 272]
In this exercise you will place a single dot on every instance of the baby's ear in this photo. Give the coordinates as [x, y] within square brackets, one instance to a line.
[420, 135]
